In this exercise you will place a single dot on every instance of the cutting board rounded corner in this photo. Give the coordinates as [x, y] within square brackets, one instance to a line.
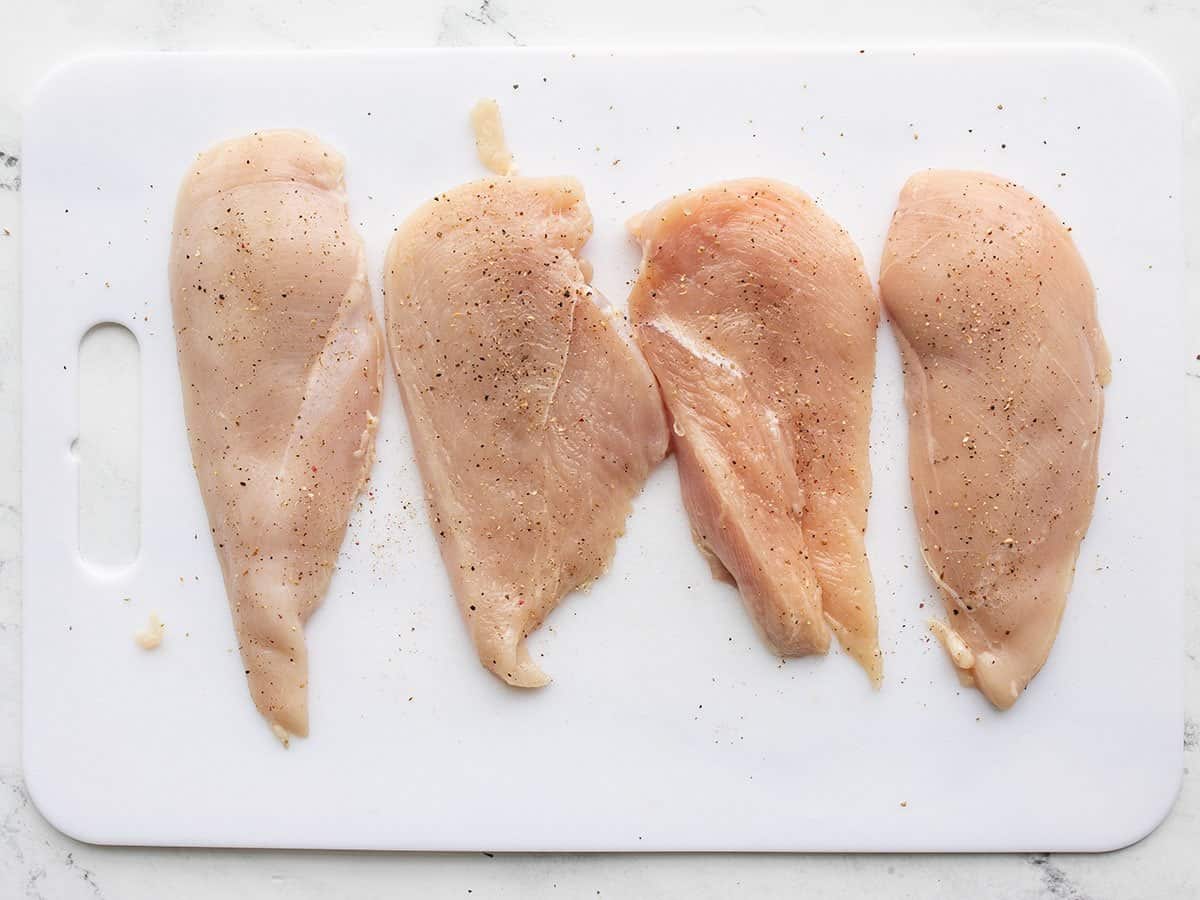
[63, 75]
[1141, 823]
[53, 803]
[1141, 68]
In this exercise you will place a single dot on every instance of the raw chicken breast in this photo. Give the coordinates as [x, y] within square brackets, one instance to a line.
[1004, 364]
[758, 319]
[534, 419]
[279, 354]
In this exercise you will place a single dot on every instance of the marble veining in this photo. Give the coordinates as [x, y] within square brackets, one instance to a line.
[10, 171]
[1055, 882]
[485, 24]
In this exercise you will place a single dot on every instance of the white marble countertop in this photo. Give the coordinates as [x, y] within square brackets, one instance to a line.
[36, 861]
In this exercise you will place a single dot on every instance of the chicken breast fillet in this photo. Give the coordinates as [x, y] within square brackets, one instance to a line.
[534, 419]
[758, 319]
[279, 354]
[1004, 365]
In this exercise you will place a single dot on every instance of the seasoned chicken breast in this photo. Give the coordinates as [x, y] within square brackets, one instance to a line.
[535, 421]
[1004, 365]
[758, 319]
[279, 354]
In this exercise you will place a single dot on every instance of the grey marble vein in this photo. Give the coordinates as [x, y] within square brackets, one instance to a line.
[484, 24]
[1055, 882]
[50, 870]
[10, 171]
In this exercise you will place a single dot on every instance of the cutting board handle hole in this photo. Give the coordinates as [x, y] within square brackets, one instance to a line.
[108, 447]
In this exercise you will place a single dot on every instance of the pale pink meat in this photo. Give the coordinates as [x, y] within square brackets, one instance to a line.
[758, 320]
[1004, 364]
[279, 354]
[534, 419]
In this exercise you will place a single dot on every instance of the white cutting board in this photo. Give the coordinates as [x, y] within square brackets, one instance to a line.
[668, 726]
